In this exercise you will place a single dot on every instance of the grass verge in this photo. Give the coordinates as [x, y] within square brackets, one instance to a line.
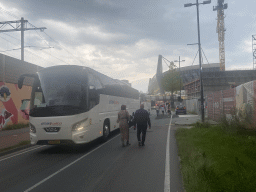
[192, 112]
[20, 144]
[213, 159]
[15, 126]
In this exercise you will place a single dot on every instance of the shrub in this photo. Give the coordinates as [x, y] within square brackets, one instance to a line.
[239, 119]
[202, 125]
[16, 126]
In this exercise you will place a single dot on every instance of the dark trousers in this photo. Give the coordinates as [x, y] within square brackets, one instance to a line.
[142, 129]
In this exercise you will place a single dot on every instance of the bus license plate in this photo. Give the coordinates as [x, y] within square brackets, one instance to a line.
[54, 142]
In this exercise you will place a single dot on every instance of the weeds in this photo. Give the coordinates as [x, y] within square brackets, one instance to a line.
[238, 121]
[214, 160]
[202, 125]
[16, 126]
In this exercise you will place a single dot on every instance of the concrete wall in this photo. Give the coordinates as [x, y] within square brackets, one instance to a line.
[219, 80]
[14, 102]
[192, 105]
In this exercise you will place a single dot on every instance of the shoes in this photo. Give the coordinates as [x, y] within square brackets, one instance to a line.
[139, 143]
[123, 145]
[142, 144]
[127, 143]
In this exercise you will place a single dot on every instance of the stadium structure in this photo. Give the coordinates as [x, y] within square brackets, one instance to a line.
[213, 79]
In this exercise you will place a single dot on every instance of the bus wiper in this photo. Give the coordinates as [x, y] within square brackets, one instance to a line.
[63, 106]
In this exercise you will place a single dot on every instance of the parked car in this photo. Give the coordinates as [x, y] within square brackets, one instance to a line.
[180, 109]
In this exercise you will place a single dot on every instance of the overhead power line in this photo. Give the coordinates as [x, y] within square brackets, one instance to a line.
[28, 47]
[39, 34]
[34, 27]
[7, 40]
[64, 48]
[9, 13]
[20, 26]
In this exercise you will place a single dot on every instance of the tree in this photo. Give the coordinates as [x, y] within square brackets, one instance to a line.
[171, 80]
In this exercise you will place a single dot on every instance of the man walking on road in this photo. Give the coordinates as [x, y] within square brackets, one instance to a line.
[157, 110]
[162, 109]
[142, 120]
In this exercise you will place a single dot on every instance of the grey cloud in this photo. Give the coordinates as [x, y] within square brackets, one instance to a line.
[135, 19]
[125, 23]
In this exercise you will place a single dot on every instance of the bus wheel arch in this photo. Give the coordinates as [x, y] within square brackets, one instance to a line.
[106, 129]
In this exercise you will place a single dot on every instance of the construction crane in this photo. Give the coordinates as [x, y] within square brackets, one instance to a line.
[221, 31]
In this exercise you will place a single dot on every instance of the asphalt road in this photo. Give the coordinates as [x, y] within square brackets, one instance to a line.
[97, 166]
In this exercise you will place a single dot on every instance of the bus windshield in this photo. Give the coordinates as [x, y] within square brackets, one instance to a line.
[62, 92]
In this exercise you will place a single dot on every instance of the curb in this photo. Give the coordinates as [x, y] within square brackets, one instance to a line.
[183, 124]
[15, 150]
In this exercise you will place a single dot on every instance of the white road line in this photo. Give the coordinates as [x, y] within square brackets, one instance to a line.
[21, 153]
[167, 162]
[39, 183]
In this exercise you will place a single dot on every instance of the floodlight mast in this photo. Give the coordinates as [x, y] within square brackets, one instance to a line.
[200, 56]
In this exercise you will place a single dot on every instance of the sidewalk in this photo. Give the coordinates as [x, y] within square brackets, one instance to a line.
[186, 120]
[13, 137]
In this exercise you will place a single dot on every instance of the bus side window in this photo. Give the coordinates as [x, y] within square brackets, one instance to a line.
[93, 97]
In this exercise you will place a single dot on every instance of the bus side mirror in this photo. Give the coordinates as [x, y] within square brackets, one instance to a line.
[22, 77]
[20, 81]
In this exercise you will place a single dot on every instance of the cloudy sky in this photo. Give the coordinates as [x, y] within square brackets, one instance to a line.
[122, 39]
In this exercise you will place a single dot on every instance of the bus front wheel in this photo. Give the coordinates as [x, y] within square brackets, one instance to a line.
[105, 131]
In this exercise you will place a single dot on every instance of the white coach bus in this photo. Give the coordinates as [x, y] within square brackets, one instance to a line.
[75, 104]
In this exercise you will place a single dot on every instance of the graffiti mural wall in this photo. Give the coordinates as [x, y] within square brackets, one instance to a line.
[14, 104]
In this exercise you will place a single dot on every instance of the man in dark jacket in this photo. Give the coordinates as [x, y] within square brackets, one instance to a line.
[142, 120]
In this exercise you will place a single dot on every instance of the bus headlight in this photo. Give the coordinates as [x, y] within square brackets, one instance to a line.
[32, 128]
[79, 126]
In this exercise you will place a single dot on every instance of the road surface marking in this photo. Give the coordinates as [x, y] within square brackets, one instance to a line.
[21, 153]
[167, 162]
[39, 183]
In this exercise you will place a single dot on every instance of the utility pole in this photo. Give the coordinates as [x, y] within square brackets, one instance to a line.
[22, 37]
[180, 76]
[254, 50]
[20, 26]
[199, 48]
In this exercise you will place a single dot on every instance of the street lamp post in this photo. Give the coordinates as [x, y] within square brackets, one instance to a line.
[179, 71]
[199, 47]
